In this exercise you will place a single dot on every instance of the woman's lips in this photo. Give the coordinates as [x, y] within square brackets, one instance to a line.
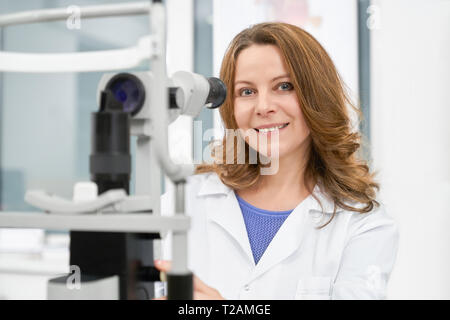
[271, 132]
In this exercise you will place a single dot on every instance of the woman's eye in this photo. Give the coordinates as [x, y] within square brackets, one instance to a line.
[245, 92]
[286, 86]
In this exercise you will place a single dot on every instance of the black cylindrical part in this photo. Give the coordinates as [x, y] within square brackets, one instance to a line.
[148, 274]
[110, 159]
[173, 98]
[217, 92]
[180, 287]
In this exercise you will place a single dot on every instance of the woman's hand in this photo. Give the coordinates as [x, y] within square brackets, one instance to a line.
[201, 290]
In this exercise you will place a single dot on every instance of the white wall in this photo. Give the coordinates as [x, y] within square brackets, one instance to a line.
[411, 139]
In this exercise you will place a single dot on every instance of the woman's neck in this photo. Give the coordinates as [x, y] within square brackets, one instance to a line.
[286, 185]
[281, 191]
[289, 175]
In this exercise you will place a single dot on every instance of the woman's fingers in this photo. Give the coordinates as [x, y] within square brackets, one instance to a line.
[199, 285]
[163, 265]
[201, 290]
[205, 292]
[198, 295]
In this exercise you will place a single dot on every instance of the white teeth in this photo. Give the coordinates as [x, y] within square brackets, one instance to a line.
[265, 130]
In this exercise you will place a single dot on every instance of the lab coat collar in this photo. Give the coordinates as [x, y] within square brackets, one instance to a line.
[214, 186]
[225, 212]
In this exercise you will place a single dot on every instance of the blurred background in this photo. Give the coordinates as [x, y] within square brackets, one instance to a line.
[392, 54]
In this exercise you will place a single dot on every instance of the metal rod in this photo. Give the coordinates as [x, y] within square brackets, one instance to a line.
[2, 37]
[174, 171]
[90, 61]
[364, 72]
[96, 11]
[112, 222]
[179, 197]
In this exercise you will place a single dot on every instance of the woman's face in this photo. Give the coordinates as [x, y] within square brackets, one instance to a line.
[265, 96]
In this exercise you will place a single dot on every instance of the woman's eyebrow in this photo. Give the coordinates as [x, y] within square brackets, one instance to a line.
[276, 78]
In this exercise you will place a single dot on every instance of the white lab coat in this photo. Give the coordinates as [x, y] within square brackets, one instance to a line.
[350, 258]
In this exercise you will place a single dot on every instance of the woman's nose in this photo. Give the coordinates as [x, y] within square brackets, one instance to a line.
[264, 105]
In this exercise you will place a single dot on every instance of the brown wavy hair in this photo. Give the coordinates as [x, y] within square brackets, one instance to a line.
[333, 159]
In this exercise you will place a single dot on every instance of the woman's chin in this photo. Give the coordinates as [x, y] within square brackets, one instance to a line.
[271, 151]
[271, 154]
[268, 153]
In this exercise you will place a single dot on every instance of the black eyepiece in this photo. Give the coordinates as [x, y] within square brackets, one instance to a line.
[217, 92]
[128, 90]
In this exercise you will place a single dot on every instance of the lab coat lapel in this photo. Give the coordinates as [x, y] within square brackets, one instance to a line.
[288, 239]
[223, 209]
[225, 212]
[295, 229]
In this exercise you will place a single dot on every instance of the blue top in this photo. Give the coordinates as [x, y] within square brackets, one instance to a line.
[261, 225]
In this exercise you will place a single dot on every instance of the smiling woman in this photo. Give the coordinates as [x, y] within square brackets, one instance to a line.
[312, 229]
[283, 82]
